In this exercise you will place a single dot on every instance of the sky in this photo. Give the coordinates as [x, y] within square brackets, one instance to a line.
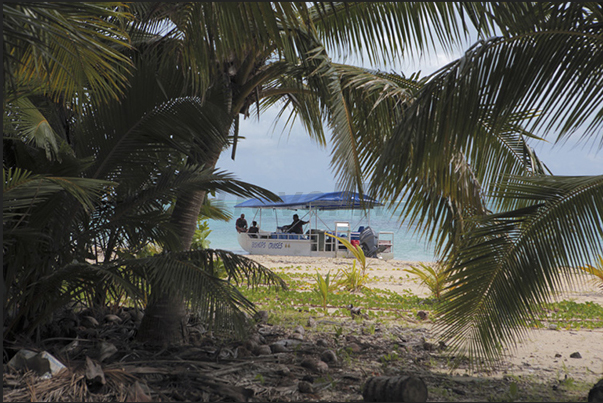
[289, 162]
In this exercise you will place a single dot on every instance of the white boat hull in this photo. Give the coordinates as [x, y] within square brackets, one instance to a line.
[287, 245]
[294, 245]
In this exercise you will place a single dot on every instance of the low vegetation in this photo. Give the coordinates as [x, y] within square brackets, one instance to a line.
[303, 295]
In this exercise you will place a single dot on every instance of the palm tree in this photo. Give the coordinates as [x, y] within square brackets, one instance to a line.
[124, 161]
[544, 71]
[283, 58]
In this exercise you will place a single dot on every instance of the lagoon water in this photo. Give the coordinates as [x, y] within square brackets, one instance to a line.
[407, 245]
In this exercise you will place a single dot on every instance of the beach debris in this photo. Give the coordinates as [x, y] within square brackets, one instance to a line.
[299, 329]
[305, 387]
[137, 394]
[311, 323]
[322, 343]
[354, 348]
[278, 348]
[315, 365]
[423, 315]
[356, 311]
[106, 350]
[95, 375]
[283, 370]
[575, 355]
[297, 336]
[596, 392]
[289, 343]
[110, 318]
[394, 389]
[557, 355]
[262, 350]
[42, 363]
[329, 357]
[89, 321]
[71, 347]
[427, 346]
[261, 316]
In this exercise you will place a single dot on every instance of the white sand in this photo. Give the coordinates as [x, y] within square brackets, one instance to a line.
[535, 356]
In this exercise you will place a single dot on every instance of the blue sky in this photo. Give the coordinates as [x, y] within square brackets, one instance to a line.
[288, 161]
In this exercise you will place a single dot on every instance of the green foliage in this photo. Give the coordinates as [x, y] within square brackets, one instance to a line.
[96, 111]
[385, 304]
[323, 288]
[596, 271]
[200, 240]
[353, 279]
[434, 278]
[572, 315]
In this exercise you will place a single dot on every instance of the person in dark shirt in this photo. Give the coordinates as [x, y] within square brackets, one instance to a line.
[253, 229]
[296, 227]
[241, 224]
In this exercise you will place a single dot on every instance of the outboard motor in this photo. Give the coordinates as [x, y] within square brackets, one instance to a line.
[369, 242]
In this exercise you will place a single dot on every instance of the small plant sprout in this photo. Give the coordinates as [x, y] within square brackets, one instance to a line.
[323, 288]
[434, 278]
[353, 279]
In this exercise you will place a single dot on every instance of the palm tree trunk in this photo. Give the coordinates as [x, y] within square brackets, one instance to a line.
[164, 322]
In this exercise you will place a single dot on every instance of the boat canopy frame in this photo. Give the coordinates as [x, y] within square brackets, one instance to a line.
[315, 202]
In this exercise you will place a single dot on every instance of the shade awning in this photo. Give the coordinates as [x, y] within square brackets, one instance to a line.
[316, 201]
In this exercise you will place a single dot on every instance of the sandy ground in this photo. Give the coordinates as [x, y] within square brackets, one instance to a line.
[546, 352]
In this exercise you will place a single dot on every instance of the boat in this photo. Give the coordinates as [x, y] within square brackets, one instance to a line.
[315, 241]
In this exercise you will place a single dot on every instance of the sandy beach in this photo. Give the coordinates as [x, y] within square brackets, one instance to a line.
[546, 352]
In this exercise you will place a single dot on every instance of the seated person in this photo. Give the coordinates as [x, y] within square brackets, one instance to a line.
[253, 229]
[296, 227]
[241, 224]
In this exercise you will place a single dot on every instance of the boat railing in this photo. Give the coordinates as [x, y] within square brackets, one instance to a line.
[278, 235]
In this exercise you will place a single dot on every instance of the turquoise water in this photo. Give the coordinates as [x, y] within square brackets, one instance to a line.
[407, 245]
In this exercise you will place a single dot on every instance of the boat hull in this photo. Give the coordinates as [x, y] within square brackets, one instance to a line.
[293, 245]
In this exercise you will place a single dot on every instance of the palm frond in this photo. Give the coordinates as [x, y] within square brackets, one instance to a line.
[192, 274]
[386, 31]
[35, 301]
[65, 48]
[31, 126]
[512, 261]
[22, 190]
[596, 271]
[498, 78]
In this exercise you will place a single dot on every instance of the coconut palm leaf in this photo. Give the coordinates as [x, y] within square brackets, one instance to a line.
[22, 190]
[64, 49]
[596, 271]
[29, 124]
[72, 282]
[385, 31]
[191, 274]
[436, 204]
[498, 78]
[512, 261]
[141, 215]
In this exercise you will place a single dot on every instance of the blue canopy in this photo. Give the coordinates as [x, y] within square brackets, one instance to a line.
[315, 201]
